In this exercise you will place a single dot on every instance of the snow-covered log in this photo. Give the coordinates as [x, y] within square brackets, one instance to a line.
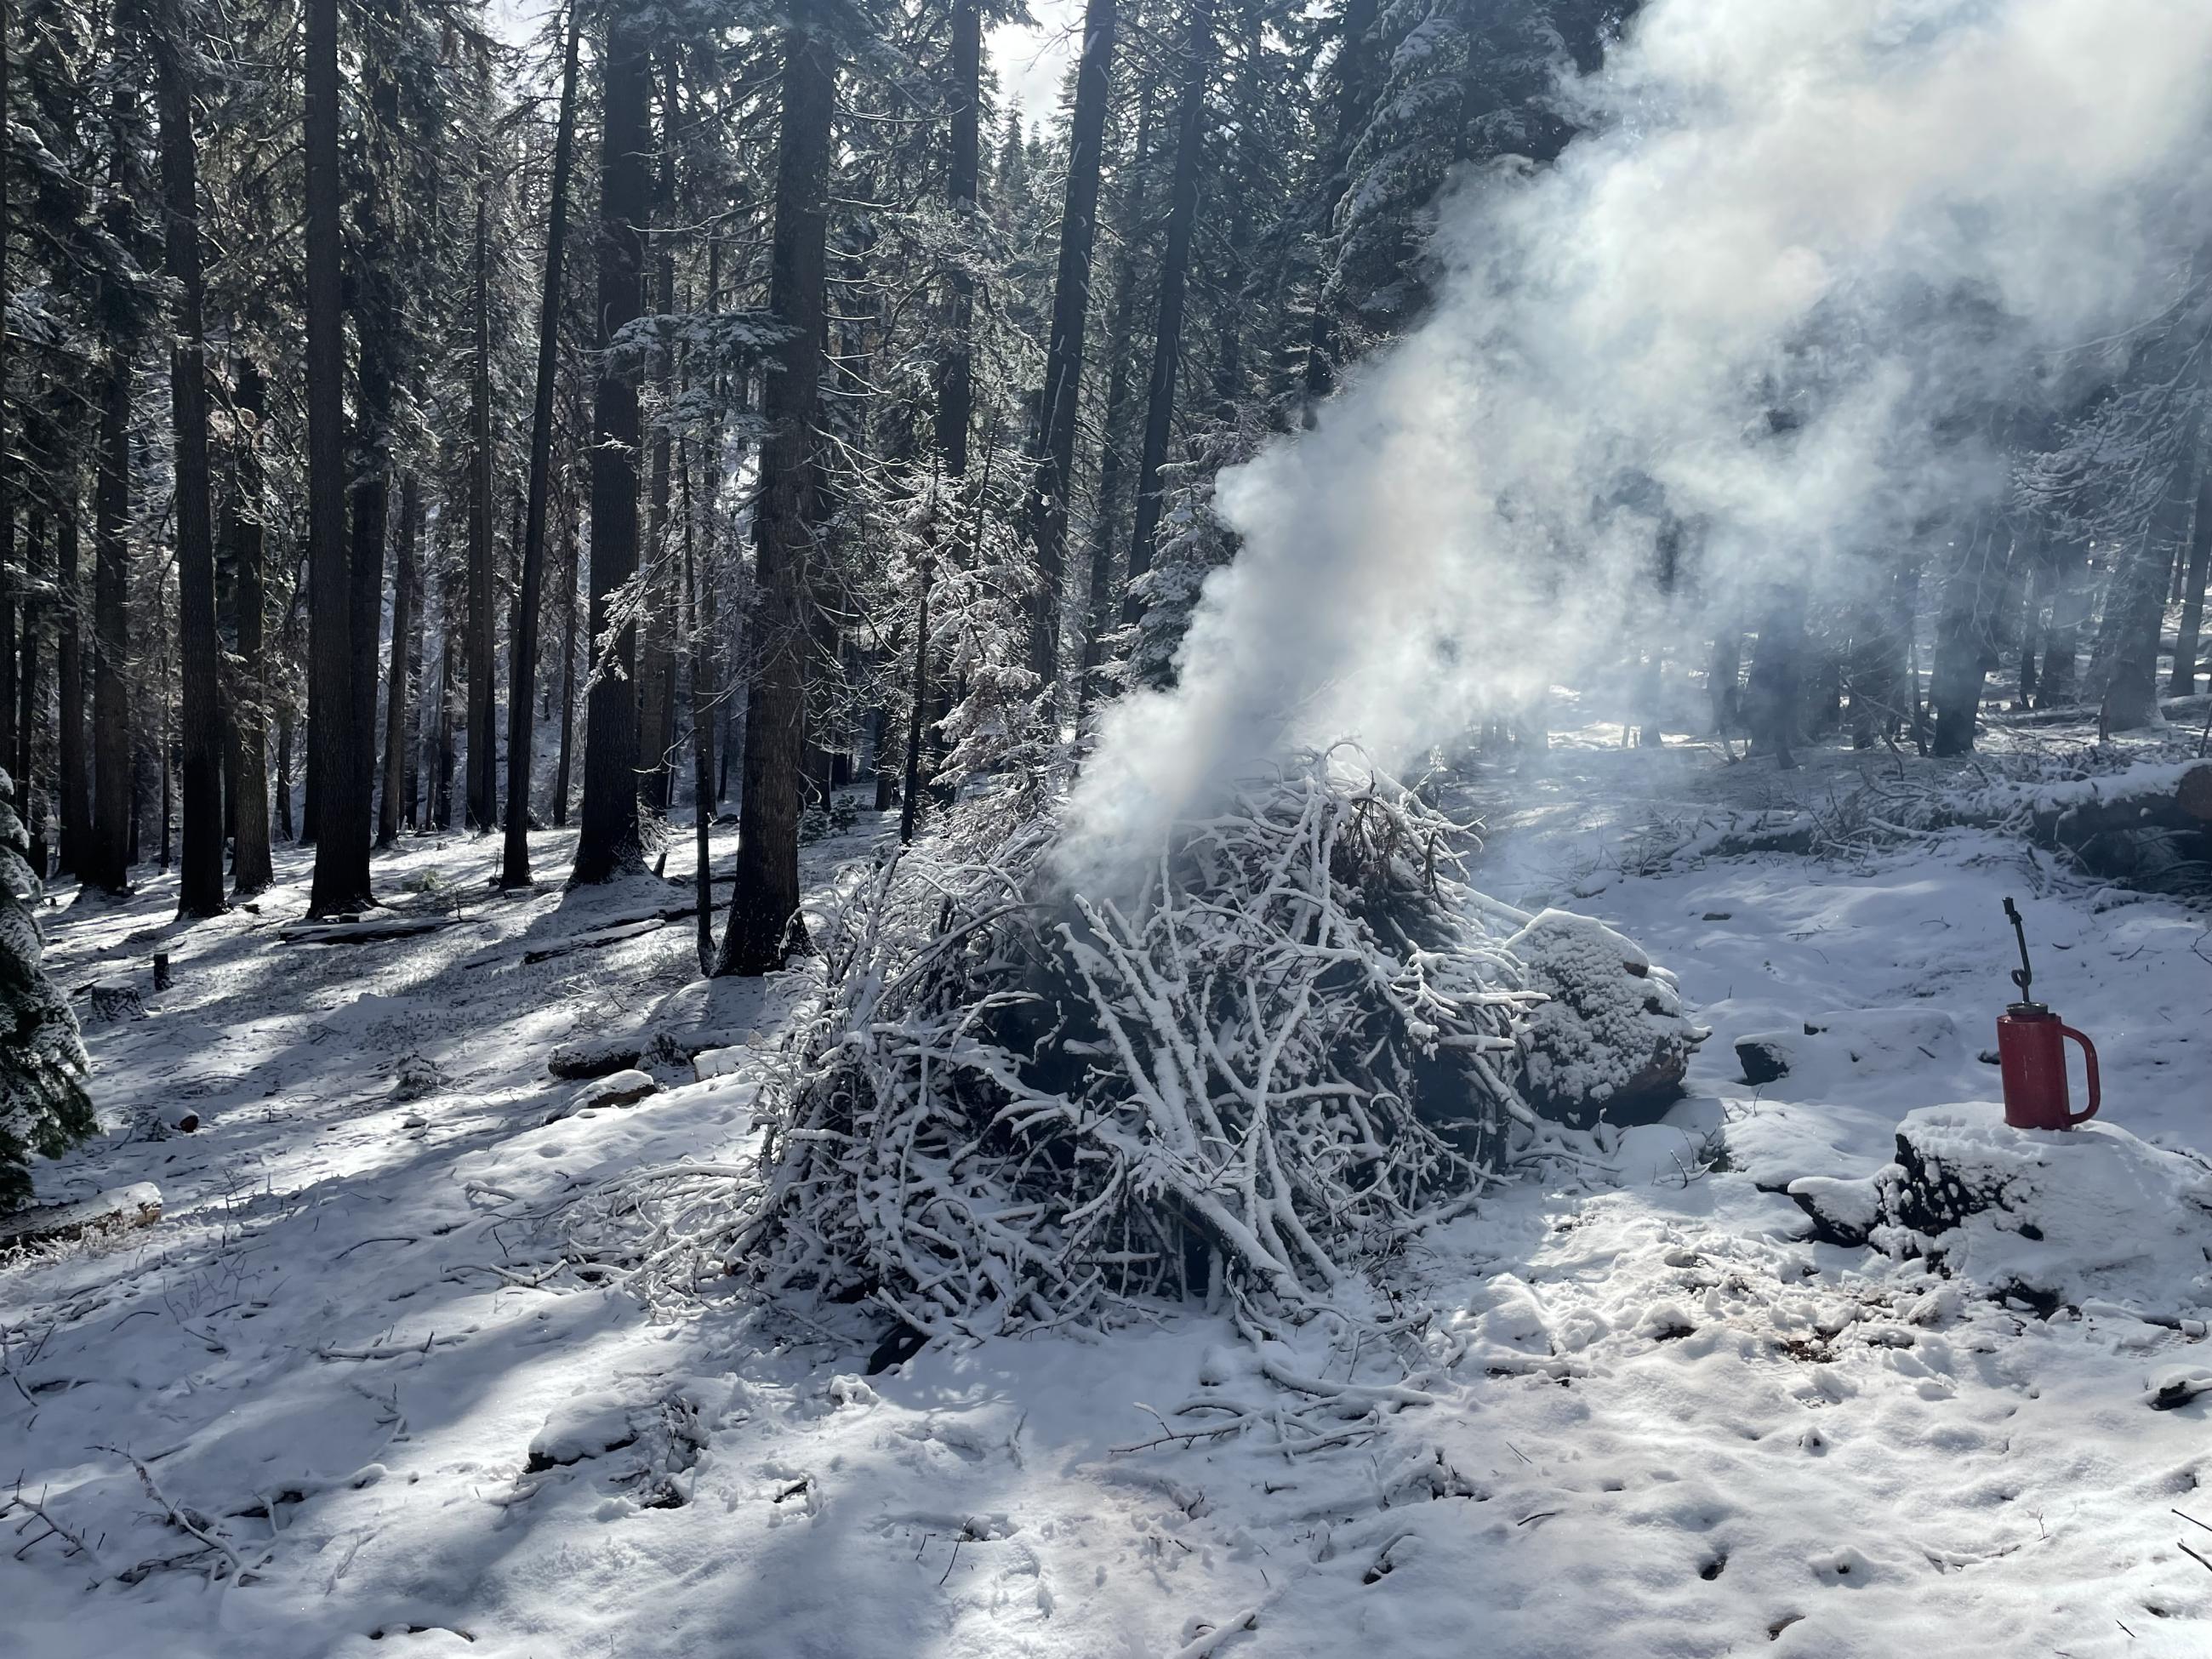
[117, 1211]
[2059, 1216]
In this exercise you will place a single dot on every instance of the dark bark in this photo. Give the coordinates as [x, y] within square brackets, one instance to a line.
[764, 909]
[9, 723]
[376, 325]
[483, 777]
[108, 854]
[656, 672]
[1879, 639]
[1354, 102]
[1120, 320]
[199, 885]
[955, 371]
[2189, 640]
[561, 766]
[1061, 409]
[342, 827]
[1775, 688]
[699, 603]
[251, 869]
[608, 844]
[1175, 275]
[396, 692]
[30, 719]
[450, 627]
[1966, 634]
[911, 796]
[2135, 609]
[74, 809]
[522, 676]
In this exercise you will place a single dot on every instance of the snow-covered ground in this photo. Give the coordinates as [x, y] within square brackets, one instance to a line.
[1677, 1428]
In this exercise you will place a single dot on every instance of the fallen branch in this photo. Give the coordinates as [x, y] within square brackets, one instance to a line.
[117, 1210]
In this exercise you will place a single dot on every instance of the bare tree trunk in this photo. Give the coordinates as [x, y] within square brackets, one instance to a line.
[199, 886]
[656, 668]
[956, 366]
[395, 698]
[2189, 641]
[1972, 593]
[2135, 608]
[69, 746]
[1103, 609]
[699, 603]
[522, 676]
[608, 845]
[342, 827]
[30, 719]
[1354, 102]
[483, 694]
[1060, 413]
[763, 909]
[251, 869]
[567, 678]
[1175, 275]
[107, 862]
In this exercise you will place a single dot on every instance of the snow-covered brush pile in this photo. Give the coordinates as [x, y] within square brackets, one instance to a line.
[1300, 1039]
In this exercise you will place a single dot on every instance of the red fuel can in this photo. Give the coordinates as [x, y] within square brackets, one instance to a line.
[2031, 1058]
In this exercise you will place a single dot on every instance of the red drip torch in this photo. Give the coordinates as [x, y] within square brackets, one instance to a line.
[2031, 1055]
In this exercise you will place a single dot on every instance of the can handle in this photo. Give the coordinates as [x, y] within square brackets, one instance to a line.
[2089, 1059]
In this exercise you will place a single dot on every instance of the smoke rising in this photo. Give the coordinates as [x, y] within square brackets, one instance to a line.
[1802, 250]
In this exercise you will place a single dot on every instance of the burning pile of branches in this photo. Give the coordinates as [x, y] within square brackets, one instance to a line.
[1012, 1105]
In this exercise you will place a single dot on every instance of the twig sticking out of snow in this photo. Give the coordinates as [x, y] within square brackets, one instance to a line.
[197, 1526]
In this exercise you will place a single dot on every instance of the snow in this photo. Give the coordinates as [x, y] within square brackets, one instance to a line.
[1671, 1423]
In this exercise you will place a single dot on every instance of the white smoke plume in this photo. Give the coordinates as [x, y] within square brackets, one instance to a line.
[1798, 241]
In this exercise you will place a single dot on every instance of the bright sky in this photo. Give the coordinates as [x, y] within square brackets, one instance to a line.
[1031, 59]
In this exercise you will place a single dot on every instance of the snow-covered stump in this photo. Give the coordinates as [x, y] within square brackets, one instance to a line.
[1611, 1041]
[2053, 1217]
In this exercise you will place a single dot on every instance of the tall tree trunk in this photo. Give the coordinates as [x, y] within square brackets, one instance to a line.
[1964, 635]
[656, 668]
[30, 719]
[522, 676]
[376, 324]
[1774, 690]
[199, 885]
[107, 862]
[1060, 410]
[1354, 103]
[608, 844]
[763, 909]
[1175, 275]
[1120, 318]
[2189, 641]
[2071, 581]
[483, 777]
[402, 628]
[74, 810]
[568, 674]
[252, 870]
[956, 366]
[451, 626]
[10, 725]
[699, 603]
[341, 879]
[2135, 609]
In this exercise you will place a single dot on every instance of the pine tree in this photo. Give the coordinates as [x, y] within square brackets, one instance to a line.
[44, 1103]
